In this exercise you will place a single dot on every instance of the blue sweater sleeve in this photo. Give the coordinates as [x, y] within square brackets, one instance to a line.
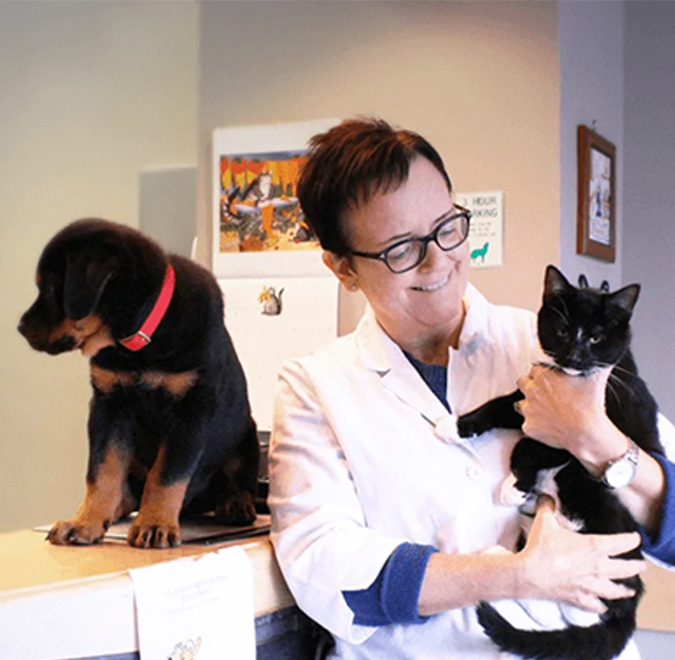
[393, 597]
[662, 545]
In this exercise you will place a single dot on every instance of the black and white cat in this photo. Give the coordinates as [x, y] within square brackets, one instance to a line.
[581, 330]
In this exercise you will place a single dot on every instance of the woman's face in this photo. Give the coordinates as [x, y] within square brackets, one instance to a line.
[426, 300]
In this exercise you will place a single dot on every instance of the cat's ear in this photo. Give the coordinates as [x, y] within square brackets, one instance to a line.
[583, 282]
[554, 282]
[604, 287]
[625, 298]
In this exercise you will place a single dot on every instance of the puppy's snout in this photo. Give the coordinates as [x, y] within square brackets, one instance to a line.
[27, 329]
[32, 331]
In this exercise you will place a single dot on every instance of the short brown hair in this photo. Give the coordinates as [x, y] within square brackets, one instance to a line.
[350, 163]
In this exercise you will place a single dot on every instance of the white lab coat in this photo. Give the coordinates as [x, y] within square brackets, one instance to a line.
[364, 457]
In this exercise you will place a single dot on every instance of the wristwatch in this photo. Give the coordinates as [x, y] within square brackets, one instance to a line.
[621, 471]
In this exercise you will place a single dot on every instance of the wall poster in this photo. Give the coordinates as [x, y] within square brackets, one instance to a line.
[281, 301]
[258, 225]
[596, 203]
[486, 231]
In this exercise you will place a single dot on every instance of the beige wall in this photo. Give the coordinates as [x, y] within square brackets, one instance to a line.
[91, 94]
[480, 80]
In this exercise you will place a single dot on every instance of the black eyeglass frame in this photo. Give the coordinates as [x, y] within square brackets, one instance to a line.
[424, 240]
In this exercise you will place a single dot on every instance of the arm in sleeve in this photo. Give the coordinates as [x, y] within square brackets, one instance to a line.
[318, 528]
[662, 546]
[394, 596]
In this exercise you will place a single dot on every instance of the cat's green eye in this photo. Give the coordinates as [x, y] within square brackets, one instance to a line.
[595, 339]
[562, 333]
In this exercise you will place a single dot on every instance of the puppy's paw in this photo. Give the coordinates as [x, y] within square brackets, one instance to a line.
[76, 532]
[148, 533]
[238, 510]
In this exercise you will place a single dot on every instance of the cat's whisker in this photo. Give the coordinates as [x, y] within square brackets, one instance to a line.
[618, 367]
[616, 380]
[613, 391]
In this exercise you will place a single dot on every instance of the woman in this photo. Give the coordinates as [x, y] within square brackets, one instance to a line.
[383, 518]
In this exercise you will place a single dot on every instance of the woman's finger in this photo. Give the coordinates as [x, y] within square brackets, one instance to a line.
[590, 603]
[545, 504]
[620, 569]
[616, 544]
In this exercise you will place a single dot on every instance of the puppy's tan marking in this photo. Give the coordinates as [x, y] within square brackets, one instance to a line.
[103, 502]
[90, 334]
[105, 380]
[178, 385]
[156, 525]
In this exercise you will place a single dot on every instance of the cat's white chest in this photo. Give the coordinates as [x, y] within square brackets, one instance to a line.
[546, 485]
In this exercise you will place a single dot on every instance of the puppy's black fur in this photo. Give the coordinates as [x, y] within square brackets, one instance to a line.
[170, 428]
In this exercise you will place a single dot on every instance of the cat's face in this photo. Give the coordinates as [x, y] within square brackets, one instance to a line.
[584, 329]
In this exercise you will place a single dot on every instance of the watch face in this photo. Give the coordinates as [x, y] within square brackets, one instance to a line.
[620, 473]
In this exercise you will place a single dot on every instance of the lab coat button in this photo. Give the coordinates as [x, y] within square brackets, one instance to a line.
[473, 473]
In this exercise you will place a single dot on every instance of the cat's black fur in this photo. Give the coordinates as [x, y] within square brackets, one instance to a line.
[581, 330]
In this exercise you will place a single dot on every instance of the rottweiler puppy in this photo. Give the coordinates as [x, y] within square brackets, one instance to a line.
[170, 428]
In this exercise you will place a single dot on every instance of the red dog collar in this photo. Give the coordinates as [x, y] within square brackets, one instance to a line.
[143, 336]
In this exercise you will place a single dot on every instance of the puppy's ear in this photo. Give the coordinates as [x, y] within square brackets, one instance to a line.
[87, 274]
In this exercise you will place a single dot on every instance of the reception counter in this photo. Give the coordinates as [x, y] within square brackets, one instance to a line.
[77, 602]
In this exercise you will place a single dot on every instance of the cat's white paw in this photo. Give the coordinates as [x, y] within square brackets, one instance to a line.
[509, 495]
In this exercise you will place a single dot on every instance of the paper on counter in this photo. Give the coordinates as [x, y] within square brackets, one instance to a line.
[196, 609]
[272, 320]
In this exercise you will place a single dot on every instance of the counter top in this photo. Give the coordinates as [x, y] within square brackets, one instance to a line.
[70, 601]
[77, 601]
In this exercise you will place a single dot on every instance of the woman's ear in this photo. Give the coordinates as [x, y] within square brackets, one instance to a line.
[342, 269]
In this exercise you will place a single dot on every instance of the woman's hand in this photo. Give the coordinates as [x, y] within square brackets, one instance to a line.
[559, 564]
[568, 412]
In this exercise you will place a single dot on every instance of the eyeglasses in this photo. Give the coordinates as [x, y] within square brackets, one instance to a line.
[410, 252]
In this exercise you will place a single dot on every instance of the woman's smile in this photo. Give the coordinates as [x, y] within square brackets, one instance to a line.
[432, 287]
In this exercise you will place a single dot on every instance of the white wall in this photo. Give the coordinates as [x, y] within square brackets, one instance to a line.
[649, 189]
[92, 92]
[591, 89]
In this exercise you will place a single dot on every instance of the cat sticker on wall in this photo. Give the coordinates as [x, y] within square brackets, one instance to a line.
[271, 300]
[186, 650]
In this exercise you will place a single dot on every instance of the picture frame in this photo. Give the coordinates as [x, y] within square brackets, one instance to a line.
[596, 195]
[258, 227]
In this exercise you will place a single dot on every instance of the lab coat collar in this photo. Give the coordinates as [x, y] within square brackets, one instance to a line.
[381, 354]
[475, 327]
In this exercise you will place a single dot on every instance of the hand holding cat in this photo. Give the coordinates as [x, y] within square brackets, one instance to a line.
[568, 412]
[559, 564]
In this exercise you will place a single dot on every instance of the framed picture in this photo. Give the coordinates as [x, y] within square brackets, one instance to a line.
[596, 204]
[258, 225]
